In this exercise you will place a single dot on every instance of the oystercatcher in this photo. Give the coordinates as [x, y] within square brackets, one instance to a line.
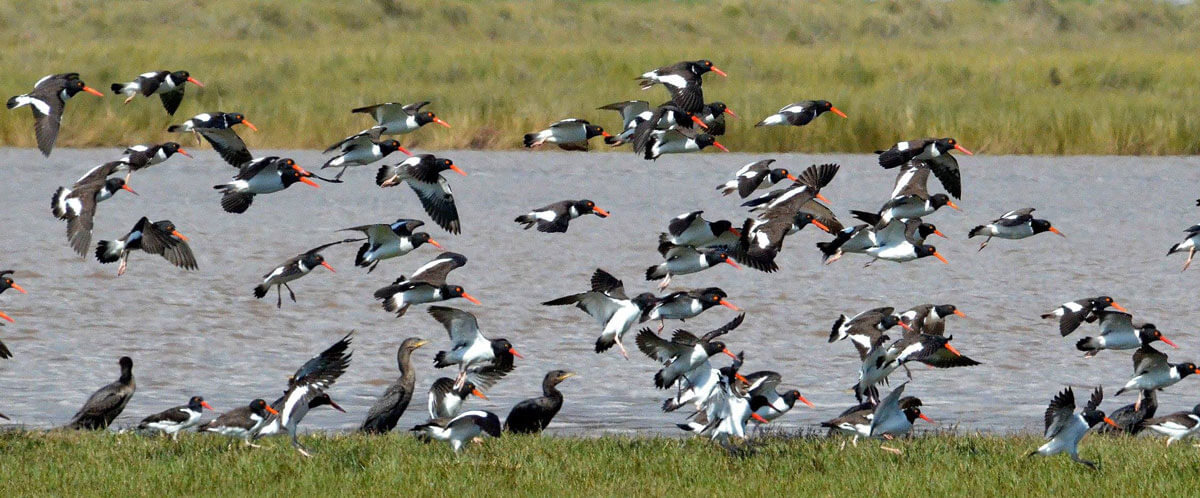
[901, 241]
[1151, 370]
[139, 157]
[754, 176]
[531, 416]
[1117, 331]
[894, 416]
[810, 182]
[6, 282]
[674, 141]
[665, 117]
[724, 413]
[172, 421]
[930, 319]
[169, 86]
[386, 411]
[1071, 315]
[682, 260]
[159, 237]
[423, 174]
[470, 350]
[217, 128]
[557, 217]
[77, 205]
[264, 175]
[461, 429]
[766, 400]
[446, 402]
[633, 113]
[864, 328]
[567, 134]
[385, 241]
[1188, 244]
[1177, 425]
[684, 305]
[911, 199]
[427, 285]
[47, 100]
[763, 239]
[800, 113]
[1015, 224]
[310, 382]
[103, 406]
[292, 269]
[608, 304]
[713, 117]
[361, 149]
[684, 351]
[859, 238]
[398, 119]
[692, 230]
[929, 153]
[1065, 428]
[242, 422]
[683, 80]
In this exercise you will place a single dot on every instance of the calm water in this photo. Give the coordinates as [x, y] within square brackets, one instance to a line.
[203, 332]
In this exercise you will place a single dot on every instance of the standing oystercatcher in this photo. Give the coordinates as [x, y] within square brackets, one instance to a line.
[217, 128]
[1065, 428]
[47, 100]
[422, 172]
[389, 240]
[469, 349]
[800, 113]
[567, 134]
[167, 84]
[1015, 224]
[1177, 425]
[386, 411]
[427, 285]
[683, 81]
[461, 429]
[292, 269]
[397, 119]
[361, 149]
[264, 175]
[243, 422]
[172, 421]
[103, 406]
[6, 282]
[557, 217]
[608, 304]
[159, 237]
[531, 416]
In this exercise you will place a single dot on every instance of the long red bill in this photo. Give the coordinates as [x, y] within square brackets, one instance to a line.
[602, 213]
[458, 170]
[820, 225]
[960, 313]
[92, 91]
[951, 349]
[6, 317]
[1119, 307]
[515, 353]
[838, 112]
[336, 407]
[1161, 338]
[741, 378]
[179, 235]
[939, 233]
[729, 305]
[272, 411]
[206, 405]
[718, 71]
[307, 181]
[806, 401]
[250, 125]
[953, 205]
[18, 288]
[439, 121]
[405, 151]
[435, 244]
[197, 83]
[126, 187]
[927, 419]
[731, 263]
[184, 152]
[470, 298]
[792, 177]
[1055, 230]
[819, 196]
[1109, 421]
[730, 112]
[939, 256]
[326, 265]
[731, 355]
[699, 121]
[719, 146]
[964, 151]
[478, 393]
[760, 418]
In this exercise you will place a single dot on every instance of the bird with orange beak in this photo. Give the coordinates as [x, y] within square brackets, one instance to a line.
[684, 351]
[683, 80]
[264, 175]
[242, 422]
[47, 100]
[168, 85]
[557, 217]
[800, 113]
[159, 237]
[6, 282]
[426, 285]
[1015, 224]
[480, 360]
[294, 268]
[385, 241]
[1065, 428]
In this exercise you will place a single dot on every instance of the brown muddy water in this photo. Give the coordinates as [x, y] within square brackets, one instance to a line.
[204, 333]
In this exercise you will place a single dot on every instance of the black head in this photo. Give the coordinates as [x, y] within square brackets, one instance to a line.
[259, 407]
[389, 146]
[911, 406]
[420, 238]
[717, 108]
[939, 200]
[170, 148]
[197, 404]
[235, 117]
[6, 282]
[778, 174]
[453, 291]
[714, 347]
[586, 206]
[703, 66]
[712, 296]
[180, 76]
[425, 117]
[468, 389]
[927, 229]
[889, 321]
[1093, 417]
[554, 377]
[704, 140]
[593, 130]
[112, 185]
[312, 260]
[1186, 369]
[74, 86]
[822, 106]
[441, 164]
[1196, 409]
[802, 219]
[720, 227]
[944, 310]
[645, 300]
[167, 227]
[322, 400]
[1040, 226]
[126, 363]
[490, 424]
[928, 250]
[945, 144]
[501, 347]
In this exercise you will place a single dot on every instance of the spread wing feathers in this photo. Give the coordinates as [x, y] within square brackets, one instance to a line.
[172, 99]
[1015, 217]
[1147, 359]
[1097, 397]
[435, 272]
[438, 201]
[79, 227]
[1060, 412]
[762, 382]
[913, 179]
[823, 214]
[603, 281]
[1114, 321]
[945, 168]
[724, 329]
[461, 326]
[100, 173]
[818, 176]
[322, 247]
[681, 223]
[155, 240]
[365, 138]
[253, 167]
[657, 348]
[323, 369]
[228, 144]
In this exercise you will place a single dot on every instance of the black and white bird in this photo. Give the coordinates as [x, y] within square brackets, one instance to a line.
[929, 153]
[1189, 244]
[422, 172]
[292, 269]
[684, 351]
[264, 175]
[723, 414]
[310, 382]
[754, 176]
[1152, 371]
[800, 113]
[361, 149]
[47, 100]
[1071, 315]
[674, 141]
[861, 238]
[532, 415]
[6, 282]
[886, 356]
[139, 157]
[567, 134]
[470, 350]
[243, 422]
[683, 81]
[1065, 428]
[168, 85]
[445, 401]
[929, 318]
[77, 205]
[763, 239]
[104, 405]
[389, 240]
[159, 237]
[682, 260]
[386, 411]
[1117, 331]
[910, 197]
[862, 329]
[713, 118]
[607, 303]
[217, 128]
[172, 421]
[766, 400]
[426, 285]
[1177, 425]
[901, 241]
[685, 305]
[692, 230]
[1015, 224]
[459, 430]
[896, 417]
[633, 113]
[398, 119]
[557, 217]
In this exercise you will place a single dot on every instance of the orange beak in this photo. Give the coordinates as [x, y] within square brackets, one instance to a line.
[731, 355]
[735, 232]
[904, 326]
[92, 91]
[18, 288]
[759, 418]
[1109, 421]
[272, 411]
[605, 134]
[964, 151]
[927, 419]
[304, 176]
[515, 353]
[201, 85]
[951, 349]
[179, 235]
[718, 71]
[730, 112]
[126, 187]
[184, 152]
[435, 244]
[471, 298]
[821, 197]
[960, 313]
[447, 125]
[837, 111]
[306, 181]
[729, 305]
[953, 205]
[6, 317]
[940, 234]
[458, 170]
[205, 403]
[741, 378]
[806, 401]
[600, 212]
[405, 151]
[820, 225]
[250, 125]
[939, 256]
[719, 146]
[1119, 307]
[699, 122]
[326, 265]
[478, 393]
[1161, 338]
[731, 263]
[792, 177]
[1055, 230]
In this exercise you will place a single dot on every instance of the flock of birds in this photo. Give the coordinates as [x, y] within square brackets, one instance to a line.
[721, 401]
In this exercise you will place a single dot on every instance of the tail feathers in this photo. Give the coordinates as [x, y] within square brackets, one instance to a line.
[1120, 391]
[659, 381]
[1174, 249]
[58, 204]
[890, 158]
[117, 87]
[645, 82]
[439, 360]
[648, 152]
[526, 220]
[1087, 344]
[333, 162]
[603, 344]
[670, 405]
[728, 187]
[834, 334]
[109, 251]
[260, 291]
[867, 217]
[15, 102]
[978, 230]
[176, 129]
[236, 202]
[656, 272]
[360, 259]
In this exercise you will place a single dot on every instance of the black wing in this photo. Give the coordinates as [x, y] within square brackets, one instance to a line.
[945, 168]
[1060, 411]
[157, 241]
[326, 367]
[818, 176]
[171, 99]
[228, 144]
[724, 329]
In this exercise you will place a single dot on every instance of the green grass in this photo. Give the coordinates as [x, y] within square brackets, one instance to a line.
[43, 464]
[1023, 77]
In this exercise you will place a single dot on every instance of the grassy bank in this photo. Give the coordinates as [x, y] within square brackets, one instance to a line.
[109, 464]
[1025, 76]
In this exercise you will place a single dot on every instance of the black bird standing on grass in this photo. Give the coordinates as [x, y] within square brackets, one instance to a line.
[534, 414]
[103, 406]
[391, 405]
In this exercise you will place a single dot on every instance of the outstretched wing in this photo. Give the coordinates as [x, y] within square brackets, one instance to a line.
[228, 144]
[945, 168]
[155, 240]
[1060, 412]
[724, 329]
[435, 272]
[461, 326]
